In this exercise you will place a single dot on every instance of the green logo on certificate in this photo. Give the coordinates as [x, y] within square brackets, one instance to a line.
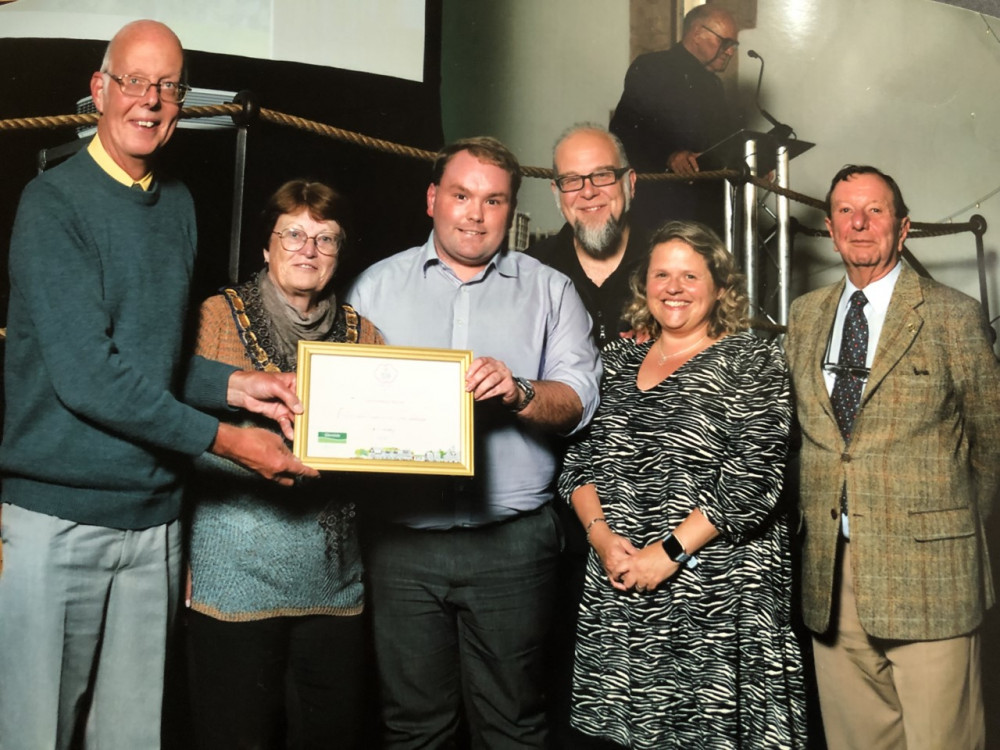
[332, 437]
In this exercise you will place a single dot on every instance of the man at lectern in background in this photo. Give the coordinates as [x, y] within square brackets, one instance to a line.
[673, 108]
[462, 572]
[898, 396]
[97, 427]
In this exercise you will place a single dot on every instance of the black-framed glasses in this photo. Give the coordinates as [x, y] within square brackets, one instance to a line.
[724, 41]
[601, 178]
[172, 92]
[294, 239]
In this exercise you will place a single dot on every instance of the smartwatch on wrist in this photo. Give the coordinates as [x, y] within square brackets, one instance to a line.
[528, 391]
[675, 550]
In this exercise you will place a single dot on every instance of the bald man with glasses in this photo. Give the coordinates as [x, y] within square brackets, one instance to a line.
[102, 412]
[672, 109]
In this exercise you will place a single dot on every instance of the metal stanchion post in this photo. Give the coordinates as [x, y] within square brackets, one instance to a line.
[784, 237]
[236, 221]
[242, 120]
[729, 196]
[750, 226]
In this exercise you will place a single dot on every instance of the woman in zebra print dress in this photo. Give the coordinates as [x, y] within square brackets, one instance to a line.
[685, 458]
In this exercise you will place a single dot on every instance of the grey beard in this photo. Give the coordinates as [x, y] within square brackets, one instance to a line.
[599, 242]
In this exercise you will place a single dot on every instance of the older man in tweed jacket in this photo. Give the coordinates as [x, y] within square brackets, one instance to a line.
[894, 493]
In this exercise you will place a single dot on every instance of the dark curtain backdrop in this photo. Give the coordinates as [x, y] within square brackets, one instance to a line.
[41, 77]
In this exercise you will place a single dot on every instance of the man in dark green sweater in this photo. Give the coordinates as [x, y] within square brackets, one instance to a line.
[100, 415]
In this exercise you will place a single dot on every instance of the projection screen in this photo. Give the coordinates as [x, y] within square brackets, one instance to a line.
[385, 37]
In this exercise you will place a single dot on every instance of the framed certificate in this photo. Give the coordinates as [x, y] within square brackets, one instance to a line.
[384, 408]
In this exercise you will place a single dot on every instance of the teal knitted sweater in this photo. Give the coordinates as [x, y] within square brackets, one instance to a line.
[258, 550]
[95, 428]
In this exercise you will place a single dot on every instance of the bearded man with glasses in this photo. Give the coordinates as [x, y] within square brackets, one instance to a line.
[597, 248]
[672, 109]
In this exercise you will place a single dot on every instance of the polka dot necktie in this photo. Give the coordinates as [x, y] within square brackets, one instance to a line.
[846, 395]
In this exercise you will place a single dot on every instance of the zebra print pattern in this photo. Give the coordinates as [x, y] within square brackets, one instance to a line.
[709, 659]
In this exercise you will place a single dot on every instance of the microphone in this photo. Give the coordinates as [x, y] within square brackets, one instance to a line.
[780, 131]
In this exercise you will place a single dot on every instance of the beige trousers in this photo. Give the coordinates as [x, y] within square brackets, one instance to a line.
[878, 694]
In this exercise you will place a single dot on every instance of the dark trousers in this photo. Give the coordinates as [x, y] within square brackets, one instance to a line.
[460, 621]
[257, 684]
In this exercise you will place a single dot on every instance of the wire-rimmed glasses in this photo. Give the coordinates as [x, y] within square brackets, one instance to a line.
[172, 92]
[294, 239]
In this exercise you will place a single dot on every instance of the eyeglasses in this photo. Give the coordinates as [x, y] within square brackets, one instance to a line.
[601, 178]
[842, 370]
[172, 92]
[293, 240]
[836, 369]
[724, 41]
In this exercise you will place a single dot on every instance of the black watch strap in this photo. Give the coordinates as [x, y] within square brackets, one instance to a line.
[675, 550]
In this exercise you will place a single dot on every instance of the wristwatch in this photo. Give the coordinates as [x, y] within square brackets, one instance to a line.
[675, 550]
[527, 389]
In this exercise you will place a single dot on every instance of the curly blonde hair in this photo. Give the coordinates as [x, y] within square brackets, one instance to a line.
[731, 313]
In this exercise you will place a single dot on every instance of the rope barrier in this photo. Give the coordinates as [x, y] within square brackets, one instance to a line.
[236, 109]
[50, 122]
[347, 136]
[245, 110]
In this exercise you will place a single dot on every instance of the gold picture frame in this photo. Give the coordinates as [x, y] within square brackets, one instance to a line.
[390, 409]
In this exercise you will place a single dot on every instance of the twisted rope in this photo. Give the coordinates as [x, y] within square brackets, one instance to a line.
[51, 122]
[234, 110]
[347, 136]
[243, 112]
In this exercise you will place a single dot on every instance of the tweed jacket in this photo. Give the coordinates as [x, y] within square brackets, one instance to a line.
[921, 471]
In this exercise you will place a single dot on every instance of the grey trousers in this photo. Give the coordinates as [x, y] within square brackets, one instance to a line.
[85, 612]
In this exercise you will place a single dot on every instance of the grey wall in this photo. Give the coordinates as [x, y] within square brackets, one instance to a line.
[524, 70]
[911, 86]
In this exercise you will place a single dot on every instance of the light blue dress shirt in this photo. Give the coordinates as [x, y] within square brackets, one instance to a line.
[516, 310]
[878, 294]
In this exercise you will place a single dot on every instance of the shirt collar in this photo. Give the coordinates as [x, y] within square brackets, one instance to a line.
[505, 262]
[505, 265]
[878, 293]
[104, 161]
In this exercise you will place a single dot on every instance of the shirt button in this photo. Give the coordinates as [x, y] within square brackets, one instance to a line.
[845, 457]
[833, 513]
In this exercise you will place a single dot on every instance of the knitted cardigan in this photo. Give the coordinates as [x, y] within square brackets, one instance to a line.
[259, 550]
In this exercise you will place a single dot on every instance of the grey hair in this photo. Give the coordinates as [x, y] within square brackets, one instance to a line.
[591, 127]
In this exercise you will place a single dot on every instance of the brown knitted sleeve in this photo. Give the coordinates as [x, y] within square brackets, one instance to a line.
[218, 338]
[369, 334]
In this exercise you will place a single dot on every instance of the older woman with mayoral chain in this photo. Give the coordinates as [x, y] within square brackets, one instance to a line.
[276, 587]
[684, 636]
